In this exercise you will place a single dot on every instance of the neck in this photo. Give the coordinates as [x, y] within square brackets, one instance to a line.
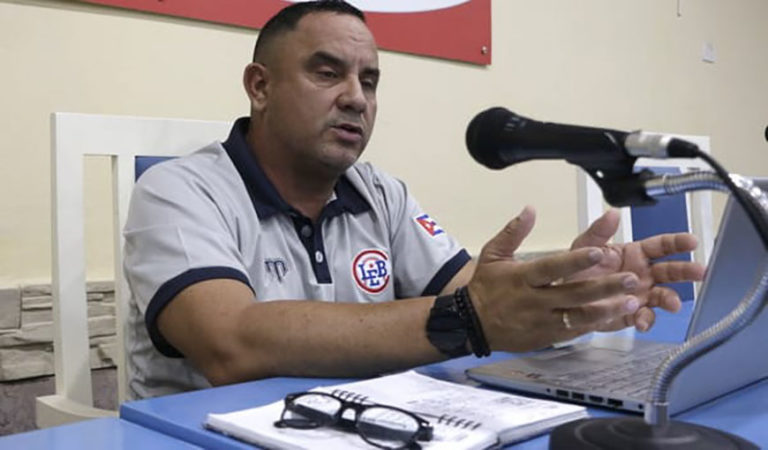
[306, 190]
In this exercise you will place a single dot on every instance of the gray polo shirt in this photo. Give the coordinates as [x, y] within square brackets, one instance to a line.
[214, 214]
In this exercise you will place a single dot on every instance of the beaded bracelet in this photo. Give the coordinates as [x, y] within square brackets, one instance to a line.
[477, 339]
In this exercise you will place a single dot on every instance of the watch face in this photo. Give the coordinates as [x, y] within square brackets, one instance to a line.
[447, 321]
[446, 329]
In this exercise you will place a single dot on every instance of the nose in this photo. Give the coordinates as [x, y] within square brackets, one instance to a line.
[352, 98]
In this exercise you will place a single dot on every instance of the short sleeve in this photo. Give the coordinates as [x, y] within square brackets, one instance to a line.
[425, 256]
[176, 235]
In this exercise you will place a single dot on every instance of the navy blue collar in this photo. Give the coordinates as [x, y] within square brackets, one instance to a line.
[266, 200]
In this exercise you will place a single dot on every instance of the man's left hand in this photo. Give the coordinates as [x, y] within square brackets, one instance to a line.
[639, 257]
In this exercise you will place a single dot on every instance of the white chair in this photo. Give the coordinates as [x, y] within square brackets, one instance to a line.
[75, 136]
[699, 211]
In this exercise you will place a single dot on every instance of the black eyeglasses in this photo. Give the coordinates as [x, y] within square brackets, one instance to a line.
[382, 426]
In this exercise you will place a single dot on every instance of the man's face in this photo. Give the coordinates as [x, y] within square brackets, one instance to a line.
[321, 100]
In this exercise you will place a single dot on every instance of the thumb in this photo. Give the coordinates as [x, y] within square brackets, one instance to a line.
[599, 232]
[507, 241]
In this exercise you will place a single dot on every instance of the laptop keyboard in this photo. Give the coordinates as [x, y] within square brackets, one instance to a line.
[629, 378]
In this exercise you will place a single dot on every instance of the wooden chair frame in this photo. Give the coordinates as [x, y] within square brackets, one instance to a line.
[74, 137]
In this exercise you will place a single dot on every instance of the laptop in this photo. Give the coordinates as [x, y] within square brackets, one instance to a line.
[615, 371]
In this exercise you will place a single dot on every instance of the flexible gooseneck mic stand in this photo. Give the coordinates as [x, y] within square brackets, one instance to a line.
[657, 431]
[498, 138]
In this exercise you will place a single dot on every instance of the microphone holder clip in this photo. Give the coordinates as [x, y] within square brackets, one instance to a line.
[622, 187]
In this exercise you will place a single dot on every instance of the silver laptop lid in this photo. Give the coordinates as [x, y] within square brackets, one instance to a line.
[739, 257]
[738, 254]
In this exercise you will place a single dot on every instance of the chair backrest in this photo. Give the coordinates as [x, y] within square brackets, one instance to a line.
[689, 212]
[144, 162]
[75, 136]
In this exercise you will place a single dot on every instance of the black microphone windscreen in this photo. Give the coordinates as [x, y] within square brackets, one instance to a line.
[484, 135]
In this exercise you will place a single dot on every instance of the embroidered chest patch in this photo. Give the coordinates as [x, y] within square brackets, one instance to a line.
[371, 270]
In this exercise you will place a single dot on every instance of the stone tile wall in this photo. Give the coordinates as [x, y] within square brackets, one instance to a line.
[26, 329]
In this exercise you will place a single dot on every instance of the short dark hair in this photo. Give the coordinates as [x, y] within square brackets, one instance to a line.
[288, 17]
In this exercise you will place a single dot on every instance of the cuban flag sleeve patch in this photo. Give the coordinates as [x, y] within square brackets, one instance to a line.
[428, 224]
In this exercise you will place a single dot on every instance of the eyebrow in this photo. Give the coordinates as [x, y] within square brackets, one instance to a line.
[323, 57]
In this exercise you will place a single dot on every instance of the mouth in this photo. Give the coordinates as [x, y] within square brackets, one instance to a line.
[349, 128]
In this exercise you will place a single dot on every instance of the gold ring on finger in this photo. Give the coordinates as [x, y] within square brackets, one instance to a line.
[566, 320]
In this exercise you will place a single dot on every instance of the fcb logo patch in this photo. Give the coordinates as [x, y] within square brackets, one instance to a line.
[371, 270]
[429, 225]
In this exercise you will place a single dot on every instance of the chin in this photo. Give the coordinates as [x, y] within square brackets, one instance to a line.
[338, 167]
[341, 159]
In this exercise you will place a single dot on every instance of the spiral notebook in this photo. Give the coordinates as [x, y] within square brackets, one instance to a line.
[463, 417]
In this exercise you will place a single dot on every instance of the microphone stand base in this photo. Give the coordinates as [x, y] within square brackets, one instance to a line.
[632, 433]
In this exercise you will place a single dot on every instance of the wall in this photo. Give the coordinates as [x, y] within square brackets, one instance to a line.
[624, 64]
[26, 330]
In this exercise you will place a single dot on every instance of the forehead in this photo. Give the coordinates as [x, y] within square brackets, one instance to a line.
[342, 35]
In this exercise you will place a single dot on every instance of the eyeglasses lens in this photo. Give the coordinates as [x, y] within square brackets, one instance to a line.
[314, 410]
[386, 427]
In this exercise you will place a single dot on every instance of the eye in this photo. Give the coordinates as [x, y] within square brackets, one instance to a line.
[327, 74]
[369, 83]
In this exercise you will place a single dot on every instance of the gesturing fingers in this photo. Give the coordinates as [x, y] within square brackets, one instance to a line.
[664, 298]
[673, 271]
[644, 319]
[545, 271]
[668, 244]
[607, 314]
[599, 232]
[578, 293]
[505, 243]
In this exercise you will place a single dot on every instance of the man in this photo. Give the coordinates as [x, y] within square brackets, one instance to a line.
[277, 254]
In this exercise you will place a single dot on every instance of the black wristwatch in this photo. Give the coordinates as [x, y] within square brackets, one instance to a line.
[447, 328]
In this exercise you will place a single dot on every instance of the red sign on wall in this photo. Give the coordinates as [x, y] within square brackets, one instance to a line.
[451, 29]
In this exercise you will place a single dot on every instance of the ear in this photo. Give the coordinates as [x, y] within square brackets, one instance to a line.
[256, 81]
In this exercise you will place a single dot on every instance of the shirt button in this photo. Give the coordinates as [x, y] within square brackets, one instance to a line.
[306, 231]
[319, 257]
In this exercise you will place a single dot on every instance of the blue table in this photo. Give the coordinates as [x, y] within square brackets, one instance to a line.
[107, 433]
[744, 412]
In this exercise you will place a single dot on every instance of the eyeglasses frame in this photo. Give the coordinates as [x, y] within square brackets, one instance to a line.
[423, 433]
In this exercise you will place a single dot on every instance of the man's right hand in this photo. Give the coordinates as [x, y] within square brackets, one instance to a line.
[521, 304]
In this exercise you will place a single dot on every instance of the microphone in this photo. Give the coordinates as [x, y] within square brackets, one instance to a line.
[497, 138]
